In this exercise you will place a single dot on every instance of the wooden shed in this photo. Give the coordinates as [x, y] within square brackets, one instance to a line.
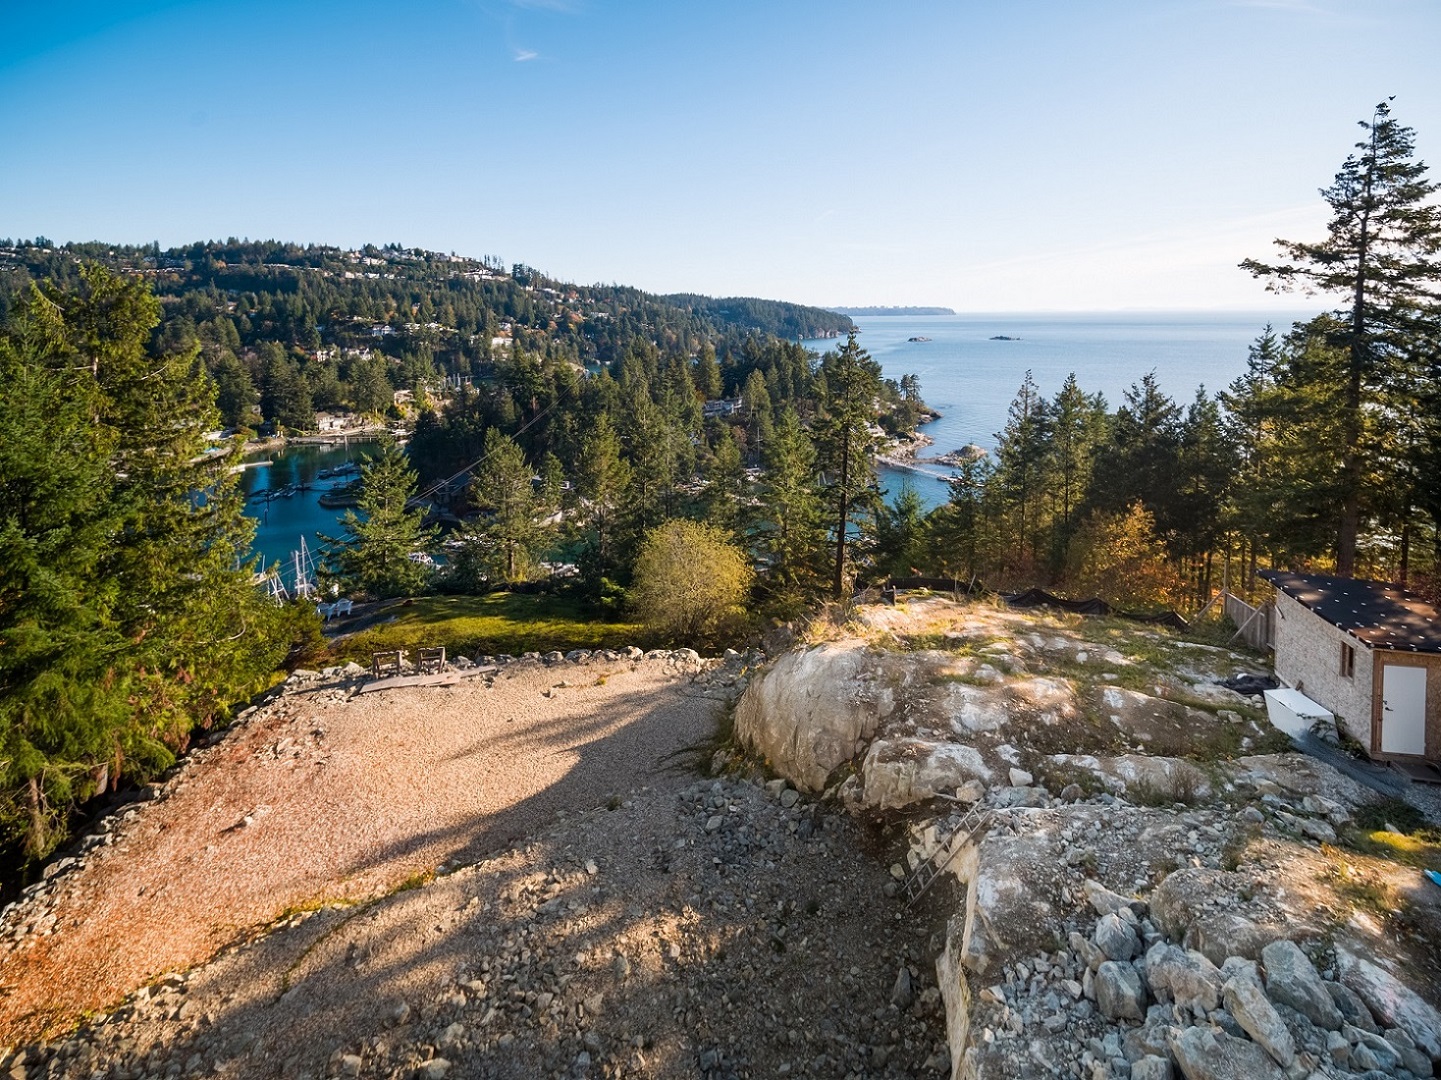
[1369, 651]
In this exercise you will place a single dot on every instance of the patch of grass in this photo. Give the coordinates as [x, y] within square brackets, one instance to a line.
[1362, 890]
[1164, 869]
[1421, 850]
[1394, 830]
[1272, 741]
[1056, 777]
[1238, 842]
[417, 880]
[495, 624]
[949, 643]
[1388, 813]
[301, 907]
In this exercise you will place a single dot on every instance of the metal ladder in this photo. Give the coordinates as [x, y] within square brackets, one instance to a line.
[974, 822]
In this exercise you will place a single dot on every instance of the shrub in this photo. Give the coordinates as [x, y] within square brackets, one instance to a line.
[690, 579]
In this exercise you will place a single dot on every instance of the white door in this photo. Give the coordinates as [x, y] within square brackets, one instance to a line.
[1403, 709]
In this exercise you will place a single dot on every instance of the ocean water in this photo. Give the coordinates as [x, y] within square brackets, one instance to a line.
[971, 379]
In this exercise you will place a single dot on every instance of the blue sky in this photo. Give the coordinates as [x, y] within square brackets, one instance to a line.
[1026, 155]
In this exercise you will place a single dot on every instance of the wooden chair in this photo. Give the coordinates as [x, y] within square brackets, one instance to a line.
[387, 663]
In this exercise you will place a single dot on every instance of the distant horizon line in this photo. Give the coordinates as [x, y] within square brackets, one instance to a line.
[1014, 312]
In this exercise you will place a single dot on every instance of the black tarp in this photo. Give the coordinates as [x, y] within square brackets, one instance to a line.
[1033, 598]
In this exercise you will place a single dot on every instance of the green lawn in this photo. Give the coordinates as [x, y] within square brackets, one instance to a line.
[494, 624]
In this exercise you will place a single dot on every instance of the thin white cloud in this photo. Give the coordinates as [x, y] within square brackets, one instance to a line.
[522, 55]
[1300, 7]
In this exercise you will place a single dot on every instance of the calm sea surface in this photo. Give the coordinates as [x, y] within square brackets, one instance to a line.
[965, 375]
[971, 379]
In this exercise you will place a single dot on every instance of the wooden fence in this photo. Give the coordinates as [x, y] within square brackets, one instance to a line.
[1253, 624]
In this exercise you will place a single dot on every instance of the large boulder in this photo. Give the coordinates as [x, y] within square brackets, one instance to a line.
[975, 709]
[1394, 1003]
[1120, 993]
[1247, 1002]
[1203, 1054]
[1291, 979]
[1007, 914]
[1187, 978]
[1116, 938]
[898, 772]
[815, 709]
[1179, 900]
[1151, 779]
[1223, 934]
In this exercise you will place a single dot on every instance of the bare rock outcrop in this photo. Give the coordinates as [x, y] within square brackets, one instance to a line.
[1149, 894]
[816, 709]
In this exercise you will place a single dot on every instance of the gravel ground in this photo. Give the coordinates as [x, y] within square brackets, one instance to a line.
[721, 930]
[325, 795]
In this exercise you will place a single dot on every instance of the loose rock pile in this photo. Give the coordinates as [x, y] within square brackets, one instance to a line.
[1126, 766]
[1130, 999]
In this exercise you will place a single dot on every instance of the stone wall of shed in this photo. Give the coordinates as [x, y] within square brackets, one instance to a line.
[1308, 657]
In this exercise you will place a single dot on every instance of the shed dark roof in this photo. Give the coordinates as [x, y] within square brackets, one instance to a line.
[1380, 614]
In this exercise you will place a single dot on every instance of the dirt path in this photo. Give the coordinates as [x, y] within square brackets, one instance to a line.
[324, 795]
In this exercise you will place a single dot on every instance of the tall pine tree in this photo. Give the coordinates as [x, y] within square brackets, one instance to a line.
[1380, 259]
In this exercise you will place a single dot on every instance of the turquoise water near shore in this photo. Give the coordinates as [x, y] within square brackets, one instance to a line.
[280, 522]
[971, 379]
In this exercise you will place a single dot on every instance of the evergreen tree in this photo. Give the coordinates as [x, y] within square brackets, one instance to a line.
[511, 529]
[727, 496]
[1077, 426]
[373, 556]
[285, 399]
[708, 373]
[235, 394]
[127, 614]
[792, 536]
[370, 389]
[1286, 418]
[900, 546]
[1023, 453]
[1380, 258]
[653, 442]
[759, 412]
[963, 540]
[1139, 461]
[1207, 461]
[846, 440]
[603, 480]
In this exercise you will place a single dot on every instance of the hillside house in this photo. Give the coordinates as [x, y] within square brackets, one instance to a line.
[1368, 651]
